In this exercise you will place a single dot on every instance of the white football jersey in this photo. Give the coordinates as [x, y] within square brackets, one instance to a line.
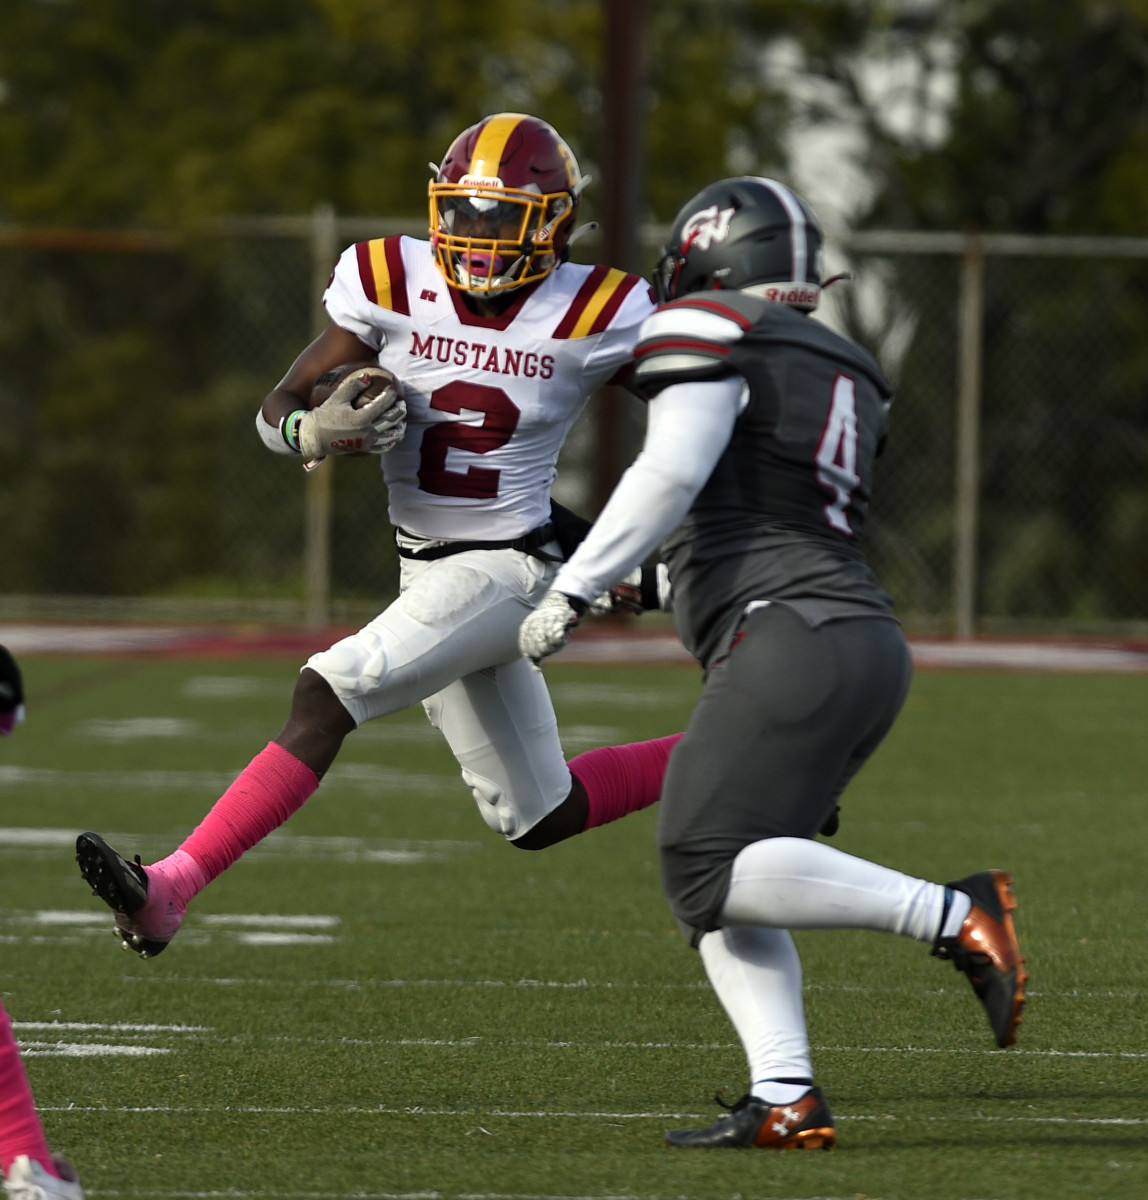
[490, 400]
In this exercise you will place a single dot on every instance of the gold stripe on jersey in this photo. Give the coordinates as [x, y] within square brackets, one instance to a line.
[613, 280]
[492, 144]
[382, 273]
[381, 270]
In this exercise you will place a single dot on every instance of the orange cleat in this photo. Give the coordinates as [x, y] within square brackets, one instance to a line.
[806, 1124]
[987, 951]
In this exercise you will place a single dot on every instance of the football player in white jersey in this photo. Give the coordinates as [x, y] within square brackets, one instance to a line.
[492, 341]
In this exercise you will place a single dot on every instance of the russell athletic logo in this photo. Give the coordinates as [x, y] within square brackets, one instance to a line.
[706, 227]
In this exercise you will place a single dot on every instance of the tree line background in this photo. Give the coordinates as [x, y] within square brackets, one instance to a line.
[128, 381]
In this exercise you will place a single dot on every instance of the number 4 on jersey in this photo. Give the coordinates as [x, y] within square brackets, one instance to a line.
[837, 454]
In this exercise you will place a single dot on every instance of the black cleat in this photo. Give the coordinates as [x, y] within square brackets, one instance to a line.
[121, 885]
[987, 951]
[806, 1124]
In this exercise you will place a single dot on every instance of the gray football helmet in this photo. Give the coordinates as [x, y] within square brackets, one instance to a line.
[750, 234]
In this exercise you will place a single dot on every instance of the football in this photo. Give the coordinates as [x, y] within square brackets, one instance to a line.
[330, 380]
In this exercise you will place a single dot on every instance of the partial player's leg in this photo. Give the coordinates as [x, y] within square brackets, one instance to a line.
[398, 658]
[803, 708]
[495, 711]
[30, 1171]
[757, 976]
[984, 946]
[149, 903]
[854, 678]
[780, 727]
[500, 725]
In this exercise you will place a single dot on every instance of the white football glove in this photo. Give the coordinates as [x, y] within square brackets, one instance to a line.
[644, 589]
[337, 427]
[549, 626]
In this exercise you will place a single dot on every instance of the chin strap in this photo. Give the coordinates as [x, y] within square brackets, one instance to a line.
[581, 232]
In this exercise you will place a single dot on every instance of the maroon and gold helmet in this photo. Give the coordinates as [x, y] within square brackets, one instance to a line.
[503, 203]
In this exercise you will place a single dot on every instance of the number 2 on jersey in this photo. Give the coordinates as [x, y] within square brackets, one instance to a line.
[500, 419]
[837, 454]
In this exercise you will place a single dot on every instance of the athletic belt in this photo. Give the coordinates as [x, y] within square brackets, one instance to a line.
[530, 543]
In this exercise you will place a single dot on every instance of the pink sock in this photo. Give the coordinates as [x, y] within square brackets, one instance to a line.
[271, 787]
[171, 884]
[20, 1128]
[622, 779]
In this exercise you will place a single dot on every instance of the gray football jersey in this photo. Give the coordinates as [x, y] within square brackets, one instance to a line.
[781, 517]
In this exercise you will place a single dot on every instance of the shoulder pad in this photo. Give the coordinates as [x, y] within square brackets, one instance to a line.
[690, 339]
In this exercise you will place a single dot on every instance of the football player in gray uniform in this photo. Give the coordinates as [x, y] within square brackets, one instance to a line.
[764, 427]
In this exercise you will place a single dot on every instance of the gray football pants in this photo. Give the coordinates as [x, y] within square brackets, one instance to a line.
[782, 725]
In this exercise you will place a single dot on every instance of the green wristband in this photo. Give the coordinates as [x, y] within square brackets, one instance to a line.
[289, 428]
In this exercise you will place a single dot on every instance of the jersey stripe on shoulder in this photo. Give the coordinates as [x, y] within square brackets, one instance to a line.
[687, 339]
[708, 304]
[679, 345]
[578, 305]
[702, 320]
[383, 276]
[618, 289]
[598, 299]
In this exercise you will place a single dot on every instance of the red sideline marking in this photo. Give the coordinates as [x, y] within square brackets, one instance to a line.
[176, 641]
[613, 642]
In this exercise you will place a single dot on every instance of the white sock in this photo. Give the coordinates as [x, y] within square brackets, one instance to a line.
[773, 1092]
[795, 883]
[757, 976]
[960, 908]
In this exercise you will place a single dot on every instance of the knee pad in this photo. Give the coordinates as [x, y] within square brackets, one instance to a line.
[493, 804]
[432, 706]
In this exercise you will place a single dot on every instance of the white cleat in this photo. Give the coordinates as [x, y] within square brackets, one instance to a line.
[27, 1180]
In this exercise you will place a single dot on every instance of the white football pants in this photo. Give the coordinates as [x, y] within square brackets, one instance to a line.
[450, 640]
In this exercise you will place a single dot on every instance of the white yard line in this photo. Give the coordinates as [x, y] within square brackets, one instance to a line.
[210, 1035]
[280, 1194]
[277, 844]
[588, 985]
[362, 777]
[351, 1110]
[106, 1027]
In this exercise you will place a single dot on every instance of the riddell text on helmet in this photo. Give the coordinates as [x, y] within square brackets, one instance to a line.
[790, 294]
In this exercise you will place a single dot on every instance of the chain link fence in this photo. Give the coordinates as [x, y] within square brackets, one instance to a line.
[1013, 496]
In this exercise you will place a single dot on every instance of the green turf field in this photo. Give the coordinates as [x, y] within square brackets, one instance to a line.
[385, 1000]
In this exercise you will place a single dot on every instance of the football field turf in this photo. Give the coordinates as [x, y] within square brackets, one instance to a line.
[385, 1000]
